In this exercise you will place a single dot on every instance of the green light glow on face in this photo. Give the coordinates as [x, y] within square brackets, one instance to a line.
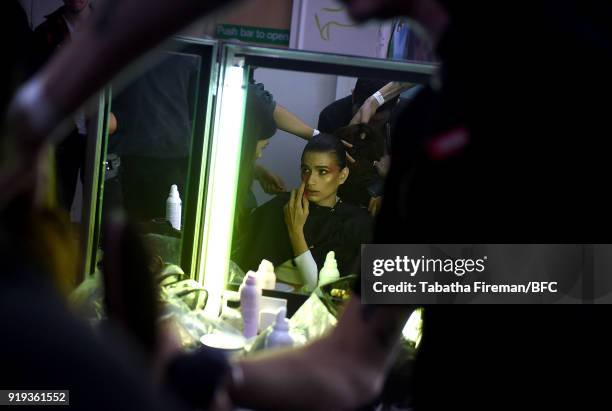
[221, 189]
[413, 330]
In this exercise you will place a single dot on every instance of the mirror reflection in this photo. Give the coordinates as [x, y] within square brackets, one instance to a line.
[147, 157]
[314, 160]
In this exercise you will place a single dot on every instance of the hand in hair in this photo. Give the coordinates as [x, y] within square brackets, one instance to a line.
[348, 156]
[365, 112]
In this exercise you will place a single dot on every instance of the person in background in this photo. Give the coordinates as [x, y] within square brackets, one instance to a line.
[259, 128]
[342, 112]
[271, 111]
[56, 31]
[60, 25]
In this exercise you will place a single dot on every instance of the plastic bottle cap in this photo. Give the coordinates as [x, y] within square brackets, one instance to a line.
[330, 260]
[265, 265]
[251, 279]
[281, 324]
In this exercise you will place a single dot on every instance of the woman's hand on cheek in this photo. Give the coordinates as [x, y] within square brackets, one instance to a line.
[296, 211]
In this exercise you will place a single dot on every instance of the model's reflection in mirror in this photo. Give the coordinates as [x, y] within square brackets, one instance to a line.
[305, 202]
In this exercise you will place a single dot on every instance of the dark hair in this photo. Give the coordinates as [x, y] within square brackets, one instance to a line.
[258, 125]
[258, 118]
[327, 143]
[364, 88]
[368, 143]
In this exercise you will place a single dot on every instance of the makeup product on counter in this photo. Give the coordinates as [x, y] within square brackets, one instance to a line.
[268, 308]
[279, 337]
[173, 208]
[329, 272]
[266, 276]
[249, 305]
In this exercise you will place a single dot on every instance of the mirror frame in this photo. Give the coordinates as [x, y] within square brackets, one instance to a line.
[93, 196]
[236, 63]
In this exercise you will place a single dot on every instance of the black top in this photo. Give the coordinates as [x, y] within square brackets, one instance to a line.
[341, 229]
[337, 114]
[266, 98]
[154, 112]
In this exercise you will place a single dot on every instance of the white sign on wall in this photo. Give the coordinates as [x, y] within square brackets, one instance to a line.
[325, 26]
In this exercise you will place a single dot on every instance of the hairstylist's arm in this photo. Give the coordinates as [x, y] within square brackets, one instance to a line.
[289, 122]
[372, 103]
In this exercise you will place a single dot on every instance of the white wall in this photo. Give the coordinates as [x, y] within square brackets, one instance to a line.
[325, 26]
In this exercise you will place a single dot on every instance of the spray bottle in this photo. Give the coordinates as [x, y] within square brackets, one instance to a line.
[173, 208]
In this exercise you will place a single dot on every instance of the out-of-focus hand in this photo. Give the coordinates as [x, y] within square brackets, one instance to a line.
[374, 206]
[221, 401]
[168, 346]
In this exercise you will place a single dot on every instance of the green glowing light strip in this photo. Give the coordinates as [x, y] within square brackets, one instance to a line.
[221, 190]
